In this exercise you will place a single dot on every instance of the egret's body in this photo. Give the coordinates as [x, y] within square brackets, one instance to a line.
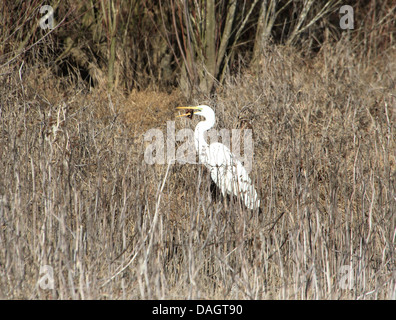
[226, 171]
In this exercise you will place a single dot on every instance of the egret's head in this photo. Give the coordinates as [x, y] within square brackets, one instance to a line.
[202, 110]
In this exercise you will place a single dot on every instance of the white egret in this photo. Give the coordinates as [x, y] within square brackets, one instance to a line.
[226, 171]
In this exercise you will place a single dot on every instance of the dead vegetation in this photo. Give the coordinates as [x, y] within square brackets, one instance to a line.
[76, 194]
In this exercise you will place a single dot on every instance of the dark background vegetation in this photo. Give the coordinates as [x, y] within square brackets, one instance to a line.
[77, 195]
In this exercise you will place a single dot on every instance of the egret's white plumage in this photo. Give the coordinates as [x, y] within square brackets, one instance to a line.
[225, 169]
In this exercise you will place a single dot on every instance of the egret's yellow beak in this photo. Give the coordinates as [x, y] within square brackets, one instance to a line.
[189, 113]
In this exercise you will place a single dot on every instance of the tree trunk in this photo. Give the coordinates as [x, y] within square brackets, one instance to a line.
[207, 76]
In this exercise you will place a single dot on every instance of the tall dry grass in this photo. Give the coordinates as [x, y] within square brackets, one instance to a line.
[77, 195]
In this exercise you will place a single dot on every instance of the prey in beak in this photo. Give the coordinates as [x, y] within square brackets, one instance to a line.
[189, 113]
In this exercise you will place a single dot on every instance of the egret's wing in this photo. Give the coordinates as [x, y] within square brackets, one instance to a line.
[230, 176]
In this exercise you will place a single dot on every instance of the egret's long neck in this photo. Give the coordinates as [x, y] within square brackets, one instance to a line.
[200, 144]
